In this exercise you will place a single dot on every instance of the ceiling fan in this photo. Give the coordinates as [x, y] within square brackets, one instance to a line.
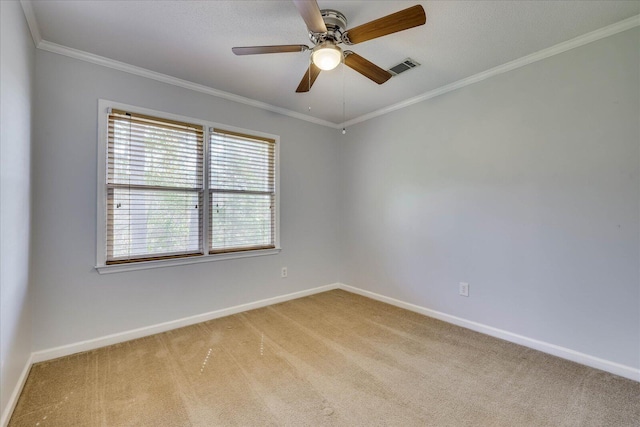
[327, 30]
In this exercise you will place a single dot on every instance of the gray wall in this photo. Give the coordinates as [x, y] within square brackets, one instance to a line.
[16, 71]
[525, 185]
[72, 302]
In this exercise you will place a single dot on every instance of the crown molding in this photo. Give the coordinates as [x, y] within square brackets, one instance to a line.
[601, 33]
[32, 22]
[143, 72]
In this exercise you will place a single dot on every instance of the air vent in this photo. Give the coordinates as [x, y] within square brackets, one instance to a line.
[405, 65]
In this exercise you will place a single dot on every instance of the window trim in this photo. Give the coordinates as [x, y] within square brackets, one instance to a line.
[101, 224]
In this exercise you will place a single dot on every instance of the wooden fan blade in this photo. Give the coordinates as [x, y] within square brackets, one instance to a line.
[310, 12]
[256, 50]
[403, 20]
[366, 68]
[309, 78]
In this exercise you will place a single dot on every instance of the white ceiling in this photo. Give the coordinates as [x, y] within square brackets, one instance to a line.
[192, 40]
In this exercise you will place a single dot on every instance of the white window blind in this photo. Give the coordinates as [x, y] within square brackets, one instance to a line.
[241, 192]
[154, 188]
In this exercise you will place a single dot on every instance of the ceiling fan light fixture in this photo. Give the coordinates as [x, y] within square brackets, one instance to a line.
[326, 56]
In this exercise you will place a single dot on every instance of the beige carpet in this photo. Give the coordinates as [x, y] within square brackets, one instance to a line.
[329, 359]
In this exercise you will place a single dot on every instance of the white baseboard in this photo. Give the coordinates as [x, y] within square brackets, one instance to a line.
[13, 399]
[555, 350]
[66, 350]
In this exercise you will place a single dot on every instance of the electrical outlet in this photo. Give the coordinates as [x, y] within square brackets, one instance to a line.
[283, 273]
[464, 289]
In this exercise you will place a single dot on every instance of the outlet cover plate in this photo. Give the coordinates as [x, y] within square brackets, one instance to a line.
[464, 289]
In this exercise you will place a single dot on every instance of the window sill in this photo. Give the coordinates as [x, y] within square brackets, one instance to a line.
[145, 265]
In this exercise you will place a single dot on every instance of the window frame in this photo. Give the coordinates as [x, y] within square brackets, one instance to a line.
[101, 225]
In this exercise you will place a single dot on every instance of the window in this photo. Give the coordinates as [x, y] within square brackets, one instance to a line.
[154, 188]
[241, 192]
[167, 197]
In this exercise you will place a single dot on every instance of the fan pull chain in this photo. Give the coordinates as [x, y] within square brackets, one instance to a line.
[309, 74]
[344, 129]
[309, 78]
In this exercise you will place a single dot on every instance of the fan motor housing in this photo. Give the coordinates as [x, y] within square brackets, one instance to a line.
[336, 24]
